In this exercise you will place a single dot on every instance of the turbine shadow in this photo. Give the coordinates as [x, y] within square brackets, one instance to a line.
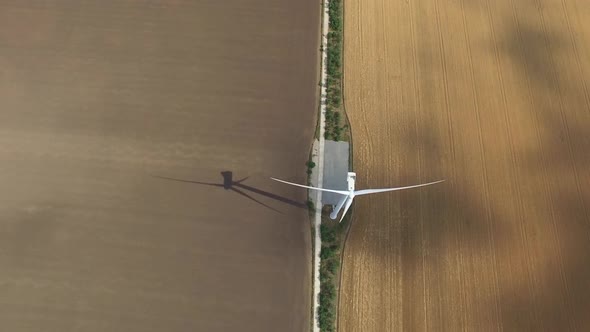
[239, 188]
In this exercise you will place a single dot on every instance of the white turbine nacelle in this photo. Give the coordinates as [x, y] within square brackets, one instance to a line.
[348, 196]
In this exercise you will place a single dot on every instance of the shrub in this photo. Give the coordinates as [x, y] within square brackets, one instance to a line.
[327, 292]
[328, 234]
[335, 23]
[334, 7]
[332, 266]
[334, 100]
[329, 117]
[328, 252]
[324, 277]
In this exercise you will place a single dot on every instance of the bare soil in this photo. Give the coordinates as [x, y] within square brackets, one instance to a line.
[493, 97]
[106, 108]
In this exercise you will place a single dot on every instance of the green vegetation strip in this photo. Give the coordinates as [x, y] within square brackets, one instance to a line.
[333, 235]
[336, 126]
[328, 269]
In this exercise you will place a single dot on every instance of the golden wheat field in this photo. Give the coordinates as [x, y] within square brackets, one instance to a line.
[493, 97]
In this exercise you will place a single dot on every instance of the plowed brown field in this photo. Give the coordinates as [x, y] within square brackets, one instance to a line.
[108, 111]
[492, 96]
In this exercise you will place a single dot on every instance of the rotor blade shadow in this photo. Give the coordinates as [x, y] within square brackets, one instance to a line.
[254, 199]
[271, 195]
[189, 181]
[230, 184]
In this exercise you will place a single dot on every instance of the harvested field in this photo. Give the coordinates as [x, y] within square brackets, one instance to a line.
[492, 96]
[105, 104]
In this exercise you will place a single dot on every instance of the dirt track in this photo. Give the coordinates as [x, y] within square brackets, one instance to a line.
[492, 96]
[97, 99]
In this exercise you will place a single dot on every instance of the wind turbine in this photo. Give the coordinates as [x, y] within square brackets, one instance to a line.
[349, 195]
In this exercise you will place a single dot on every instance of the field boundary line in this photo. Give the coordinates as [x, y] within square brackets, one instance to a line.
[350, 166]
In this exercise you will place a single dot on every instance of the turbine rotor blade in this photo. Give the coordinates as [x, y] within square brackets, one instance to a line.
[341, 192]
[339, 206]
[348, 204]
[374, 191]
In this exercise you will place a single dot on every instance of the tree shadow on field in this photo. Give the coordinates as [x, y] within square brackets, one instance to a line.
[562, 301]
[446, 216]
[561, 104]
[561, 111]
[240, 188]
